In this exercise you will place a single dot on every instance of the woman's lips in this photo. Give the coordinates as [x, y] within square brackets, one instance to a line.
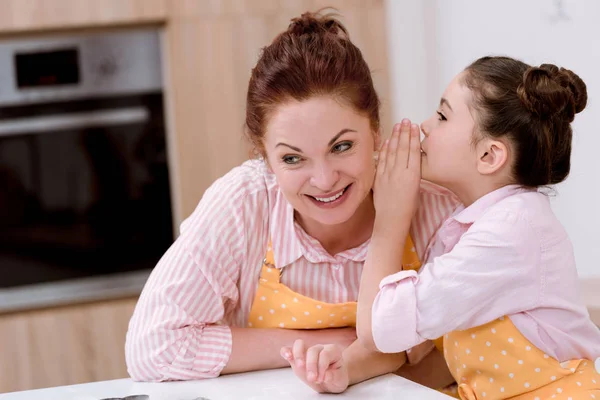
[332, 199]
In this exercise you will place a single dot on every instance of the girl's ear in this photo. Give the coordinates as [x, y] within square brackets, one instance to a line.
[492, 156]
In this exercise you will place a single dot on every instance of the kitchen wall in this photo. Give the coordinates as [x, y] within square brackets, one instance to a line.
[432, 40]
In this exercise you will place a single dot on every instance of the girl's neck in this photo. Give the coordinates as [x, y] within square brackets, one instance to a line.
[347, 235]
[471, 192]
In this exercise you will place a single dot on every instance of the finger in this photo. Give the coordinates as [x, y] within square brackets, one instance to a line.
[392, 153]
[322, 365]
[382, 157]
[328, 376]
[414, 157]
[328, 357]
[312, 359]
[286, 353]
[298, 353]
[403, 150]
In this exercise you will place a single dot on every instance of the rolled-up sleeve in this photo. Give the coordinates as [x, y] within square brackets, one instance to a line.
[176, 331]
[396, 297]
[494, 270]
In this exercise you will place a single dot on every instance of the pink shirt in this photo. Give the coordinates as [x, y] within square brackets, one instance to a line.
[506, 254]
[207, 280]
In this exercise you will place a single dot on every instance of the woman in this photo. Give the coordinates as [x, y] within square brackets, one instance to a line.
[274, 251]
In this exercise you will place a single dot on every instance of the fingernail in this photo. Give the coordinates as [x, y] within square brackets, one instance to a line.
[405, 121]
[287, 355]
[311, 376]
[414, 126]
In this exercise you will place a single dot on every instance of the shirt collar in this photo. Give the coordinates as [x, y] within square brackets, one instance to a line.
[455, 226]
[470, 214]
[286, 246]
[290, 241]
[315, 253]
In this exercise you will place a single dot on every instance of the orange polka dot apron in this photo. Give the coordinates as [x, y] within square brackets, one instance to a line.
[495, 361]
[277, 306]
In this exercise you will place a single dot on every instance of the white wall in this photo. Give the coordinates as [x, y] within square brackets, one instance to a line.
[432, 40]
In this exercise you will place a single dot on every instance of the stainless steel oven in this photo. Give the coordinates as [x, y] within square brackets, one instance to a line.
[85, 199]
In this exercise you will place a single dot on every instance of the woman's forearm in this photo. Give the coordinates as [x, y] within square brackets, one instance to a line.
[259, 349]
[365, 364]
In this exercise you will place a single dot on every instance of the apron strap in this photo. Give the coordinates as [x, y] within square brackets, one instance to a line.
[410, 258]
[269, 272]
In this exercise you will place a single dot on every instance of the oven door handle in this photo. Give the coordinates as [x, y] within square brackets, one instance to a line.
[74, 121]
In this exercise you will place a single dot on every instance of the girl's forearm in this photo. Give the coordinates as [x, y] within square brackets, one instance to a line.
[384, 258]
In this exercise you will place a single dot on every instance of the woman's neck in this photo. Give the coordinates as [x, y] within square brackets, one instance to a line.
[347, 235]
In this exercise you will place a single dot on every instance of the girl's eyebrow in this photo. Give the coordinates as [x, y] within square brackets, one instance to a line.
[445, 101]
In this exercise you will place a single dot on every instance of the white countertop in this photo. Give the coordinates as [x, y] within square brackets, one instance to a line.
[278, 384]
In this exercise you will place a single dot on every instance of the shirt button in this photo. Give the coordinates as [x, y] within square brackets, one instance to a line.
[336, 266]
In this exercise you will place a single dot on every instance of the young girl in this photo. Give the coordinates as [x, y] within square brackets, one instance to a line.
[500, 283]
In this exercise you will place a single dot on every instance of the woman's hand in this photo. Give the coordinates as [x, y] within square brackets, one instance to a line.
[398, 177]
[321, 367]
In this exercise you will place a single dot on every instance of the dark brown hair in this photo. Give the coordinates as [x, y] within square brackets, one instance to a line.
[534, 108]
[313, 57]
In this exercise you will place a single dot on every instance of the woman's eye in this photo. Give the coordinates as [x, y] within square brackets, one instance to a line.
[291, 160]
[441, 116]
[341, 147]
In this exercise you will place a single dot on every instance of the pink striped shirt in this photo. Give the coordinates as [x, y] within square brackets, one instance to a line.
[207, 279]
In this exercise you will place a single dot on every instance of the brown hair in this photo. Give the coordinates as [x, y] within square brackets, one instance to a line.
[313, 57]
[534, 108]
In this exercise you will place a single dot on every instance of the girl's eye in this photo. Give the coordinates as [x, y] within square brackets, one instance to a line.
[441, 116]
[341, 147]
[291, 160]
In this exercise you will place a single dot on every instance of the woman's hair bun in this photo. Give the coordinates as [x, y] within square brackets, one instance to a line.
[552, 92]
[316, 23]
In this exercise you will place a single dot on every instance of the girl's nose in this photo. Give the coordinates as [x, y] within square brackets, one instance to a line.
[424, 129]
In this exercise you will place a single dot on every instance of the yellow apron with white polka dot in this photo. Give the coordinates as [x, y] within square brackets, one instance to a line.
[277, 306]
[495, 361]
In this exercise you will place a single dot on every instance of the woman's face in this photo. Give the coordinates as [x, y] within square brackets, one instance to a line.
[322, 155]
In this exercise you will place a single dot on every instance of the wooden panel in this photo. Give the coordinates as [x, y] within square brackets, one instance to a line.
[37, 15]
[64, 346]
[211, 46]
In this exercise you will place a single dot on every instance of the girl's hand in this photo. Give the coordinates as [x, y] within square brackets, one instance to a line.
[321, 367]
[398, 177]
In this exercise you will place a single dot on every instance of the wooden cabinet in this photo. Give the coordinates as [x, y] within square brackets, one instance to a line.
[63, 346]
[23, 16]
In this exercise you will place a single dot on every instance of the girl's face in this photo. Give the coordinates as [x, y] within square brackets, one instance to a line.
[322, 155]
[449, 157]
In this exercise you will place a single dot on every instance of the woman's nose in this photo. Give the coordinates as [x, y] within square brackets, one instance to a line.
[325, 177]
